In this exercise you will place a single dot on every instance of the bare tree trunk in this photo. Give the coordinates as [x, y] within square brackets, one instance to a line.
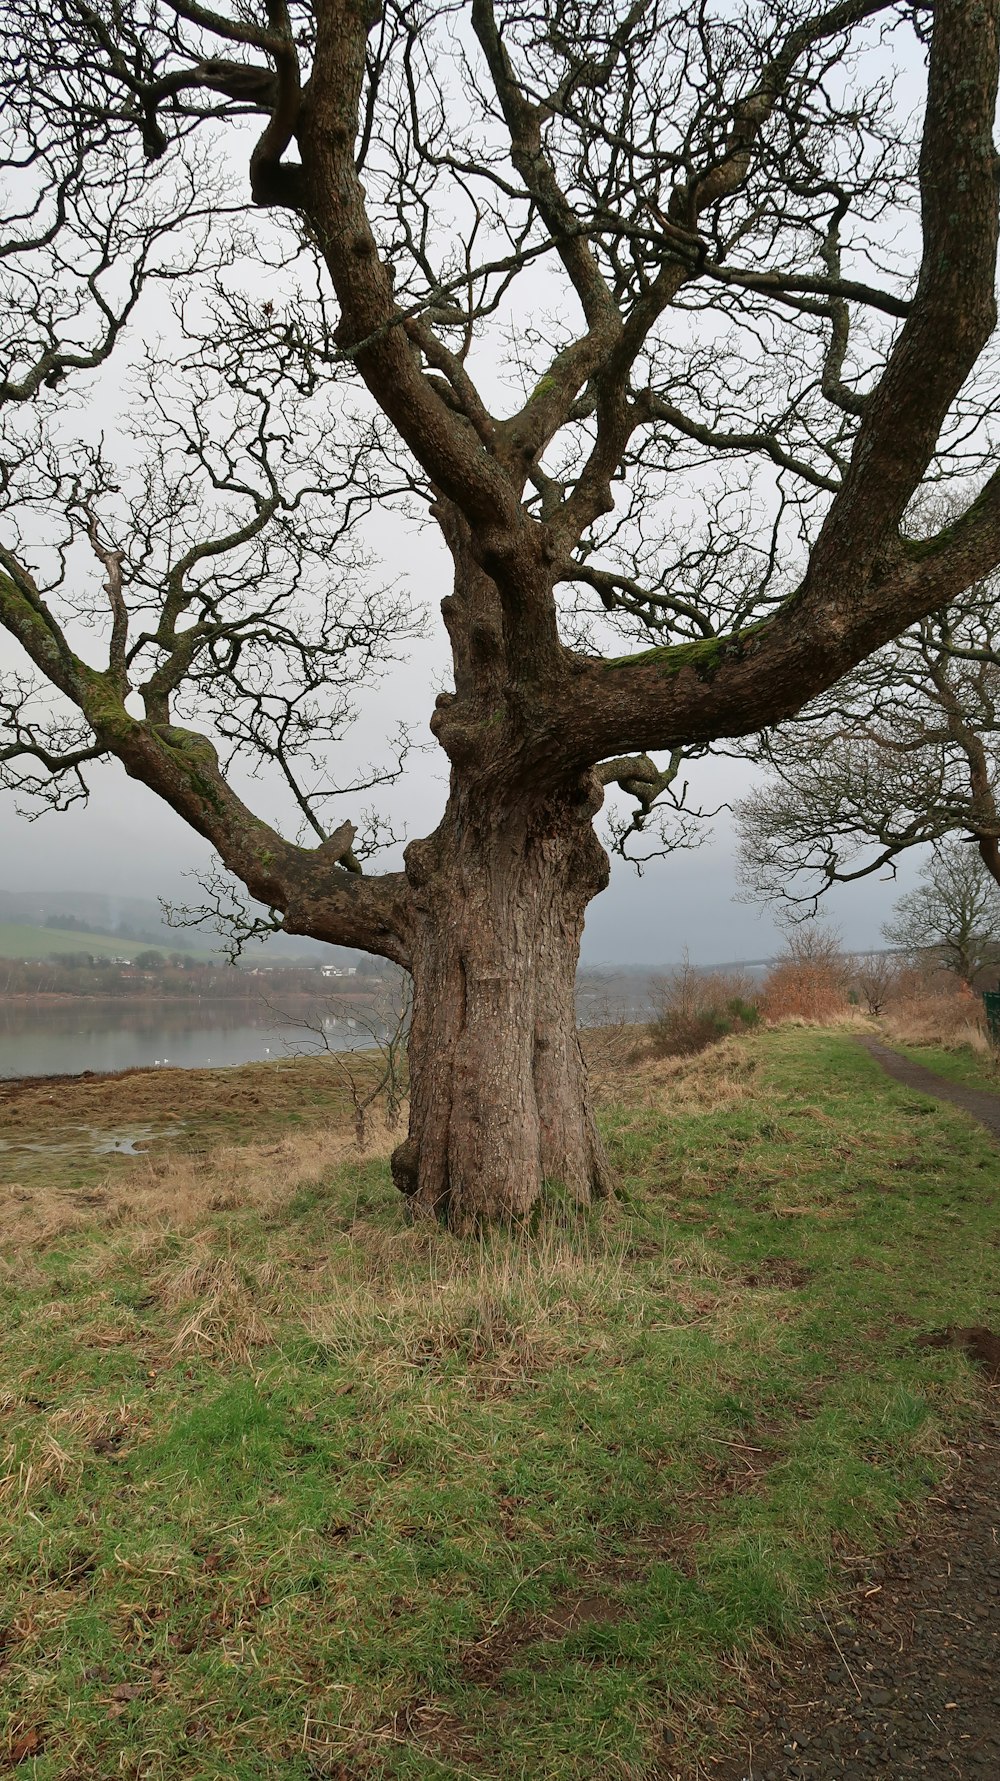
[499, 1103]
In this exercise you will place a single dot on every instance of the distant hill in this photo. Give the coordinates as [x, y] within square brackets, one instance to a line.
[131, 920]
[124, 925]
[20, 940]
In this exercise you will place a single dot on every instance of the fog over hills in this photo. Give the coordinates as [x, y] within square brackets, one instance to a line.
[125, 850]
[142, 919]
[135, 918]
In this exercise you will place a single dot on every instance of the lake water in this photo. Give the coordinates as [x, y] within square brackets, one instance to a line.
[40, 1040]
[43, 1039]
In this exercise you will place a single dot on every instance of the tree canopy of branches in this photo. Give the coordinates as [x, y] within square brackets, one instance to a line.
[662, 314]
[954, 913]
[904, 751]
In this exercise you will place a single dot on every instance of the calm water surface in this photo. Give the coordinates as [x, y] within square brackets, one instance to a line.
[40, 1040]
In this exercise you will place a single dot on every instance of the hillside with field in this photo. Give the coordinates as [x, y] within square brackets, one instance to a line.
[21, 940]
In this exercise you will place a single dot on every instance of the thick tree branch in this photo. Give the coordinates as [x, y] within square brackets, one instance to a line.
[953, 312]
[182, 767]
[328, 126]
[863, 584]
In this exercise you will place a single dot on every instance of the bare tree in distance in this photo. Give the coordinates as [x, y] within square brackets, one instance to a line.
[693, 1009]
[659, 314]
[876, 977]
[954, 914]
[904, 751]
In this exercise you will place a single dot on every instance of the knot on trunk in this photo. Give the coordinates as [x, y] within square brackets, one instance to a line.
[405, 1163]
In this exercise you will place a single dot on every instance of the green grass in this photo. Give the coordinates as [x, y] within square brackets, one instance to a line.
[306, 1492]
[960, 1063]
[18, 940]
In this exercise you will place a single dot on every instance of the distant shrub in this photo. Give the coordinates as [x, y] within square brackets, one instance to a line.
[694, 1009]
[810, 980]
[875, 981]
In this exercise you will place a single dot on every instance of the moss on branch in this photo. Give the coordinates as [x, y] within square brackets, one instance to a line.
[705, 656]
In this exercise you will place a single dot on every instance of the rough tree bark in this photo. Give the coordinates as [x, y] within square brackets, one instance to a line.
[499, 1100]
[498, 894]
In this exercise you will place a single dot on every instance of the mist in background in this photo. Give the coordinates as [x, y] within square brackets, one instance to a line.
[127, 844]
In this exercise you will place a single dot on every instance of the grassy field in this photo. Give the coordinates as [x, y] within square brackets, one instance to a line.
[20, 941]
[289, 1488]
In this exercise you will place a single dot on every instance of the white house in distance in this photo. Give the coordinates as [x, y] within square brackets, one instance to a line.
[338, 970]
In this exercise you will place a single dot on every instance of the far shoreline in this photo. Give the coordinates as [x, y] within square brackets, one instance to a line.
[66, 998]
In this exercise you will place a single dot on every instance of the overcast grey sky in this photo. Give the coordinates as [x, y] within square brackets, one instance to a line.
[127, 842]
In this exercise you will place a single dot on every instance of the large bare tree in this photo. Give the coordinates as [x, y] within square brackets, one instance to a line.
[904, 751]
[663, 310]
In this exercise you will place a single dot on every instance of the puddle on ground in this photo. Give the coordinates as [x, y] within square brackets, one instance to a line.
[88, 1140]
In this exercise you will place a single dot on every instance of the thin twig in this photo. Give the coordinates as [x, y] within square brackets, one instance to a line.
[840, 1654]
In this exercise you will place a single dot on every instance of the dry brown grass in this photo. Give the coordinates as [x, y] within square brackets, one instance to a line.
[401, 1299]
[501, 1311]
[506, 1309]
[69, 1439]
[609, 1052]
[171, 1097]
[719, 1077]
[935, 1008]
[405, 1298]
[229, 1307]
[185, 1181]
[175, 1190]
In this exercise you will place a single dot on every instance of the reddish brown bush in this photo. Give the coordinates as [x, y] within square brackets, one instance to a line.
[809, 981]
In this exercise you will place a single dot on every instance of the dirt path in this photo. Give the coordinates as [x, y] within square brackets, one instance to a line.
[904, 1678]
[980, 1102]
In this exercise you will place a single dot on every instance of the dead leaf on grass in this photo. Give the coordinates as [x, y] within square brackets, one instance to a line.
[127, 1691]
[26, 1745]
